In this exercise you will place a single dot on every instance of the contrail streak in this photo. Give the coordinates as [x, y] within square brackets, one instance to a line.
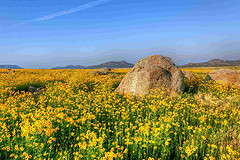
[62, 13]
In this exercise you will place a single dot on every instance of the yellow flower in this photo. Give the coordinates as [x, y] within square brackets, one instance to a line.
[182, 155]
[12, 155]
[211, 158]
[144, 145]
[21, 148]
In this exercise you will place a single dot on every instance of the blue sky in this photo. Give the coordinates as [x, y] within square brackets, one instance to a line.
[186, 31]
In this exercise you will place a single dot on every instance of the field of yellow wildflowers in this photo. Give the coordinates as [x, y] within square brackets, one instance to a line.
[78, 115]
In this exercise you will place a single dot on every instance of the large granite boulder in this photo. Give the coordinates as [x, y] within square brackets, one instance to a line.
[226, 76]
[151, 73]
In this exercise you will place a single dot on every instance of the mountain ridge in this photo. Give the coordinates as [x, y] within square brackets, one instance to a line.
[124, 64]
[10, 66]
[214, 63]
[110, 64]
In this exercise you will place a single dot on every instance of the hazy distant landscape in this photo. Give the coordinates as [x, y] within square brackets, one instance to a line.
[124, 64]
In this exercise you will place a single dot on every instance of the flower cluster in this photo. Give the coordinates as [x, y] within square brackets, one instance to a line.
[77, 115]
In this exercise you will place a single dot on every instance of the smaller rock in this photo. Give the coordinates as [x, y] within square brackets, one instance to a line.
[105, 69]
[4, 72]
[11, 71]
[226, 76]
[99, 73]
[33, 89]
[188, 75]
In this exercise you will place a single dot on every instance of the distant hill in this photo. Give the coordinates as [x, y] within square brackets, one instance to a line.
[70, 67]
[214, 63]
[10, 67]
[111, 64]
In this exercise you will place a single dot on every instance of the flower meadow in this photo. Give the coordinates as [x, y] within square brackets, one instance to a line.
[77, 115]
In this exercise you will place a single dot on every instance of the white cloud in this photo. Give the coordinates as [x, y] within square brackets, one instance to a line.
[73, 10]
[66, 12]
